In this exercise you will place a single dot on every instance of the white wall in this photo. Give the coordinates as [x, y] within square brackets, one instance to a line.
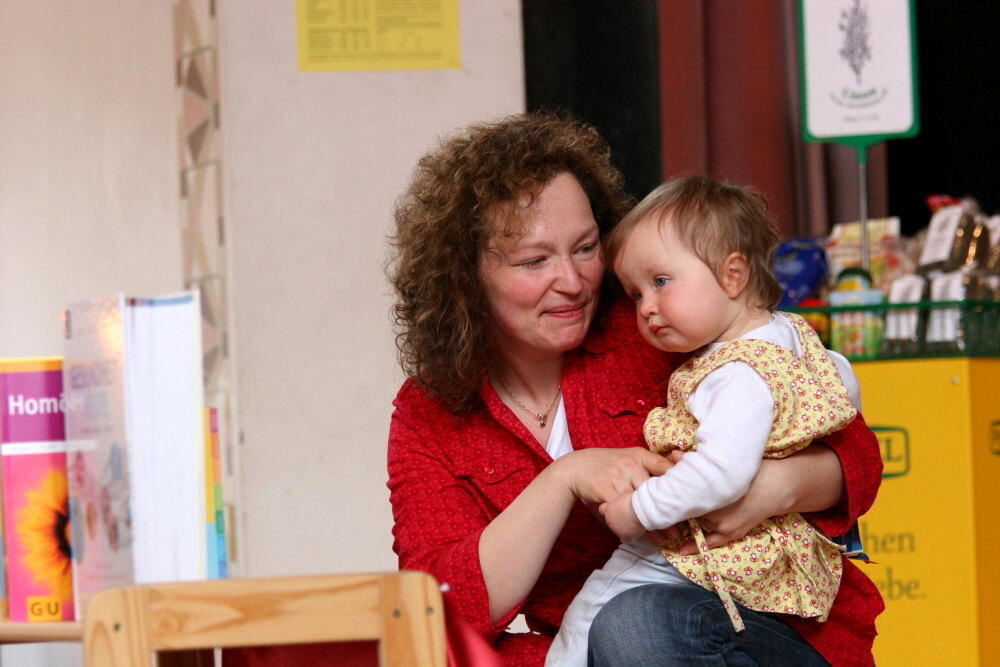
[313, 162]
[88, 166]
[88, 173]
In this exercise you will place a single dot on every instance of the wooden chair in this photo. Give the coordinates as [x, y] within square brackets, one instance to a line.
[124, 627]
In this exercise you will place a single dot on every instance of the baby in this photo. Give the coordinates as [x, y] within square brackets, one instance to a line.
[695, 256]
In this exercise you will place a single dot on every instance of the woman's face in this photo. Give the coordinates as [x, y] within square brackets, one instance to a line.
[542, 285]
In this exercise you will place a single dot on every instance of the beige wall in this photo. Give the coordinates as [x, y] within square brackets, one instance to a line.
[313, 163]
[88, 174]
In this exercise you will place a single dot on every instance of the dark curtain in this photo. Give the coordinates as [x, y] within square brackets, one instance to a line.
[729, 108]
[597, 59]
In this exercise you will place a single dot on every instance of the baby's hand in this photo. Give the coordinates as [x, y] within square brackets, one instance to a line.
[621, 518]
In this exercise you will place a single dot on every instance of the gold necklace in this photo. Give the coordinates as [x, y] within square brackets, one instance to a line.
[542, 417]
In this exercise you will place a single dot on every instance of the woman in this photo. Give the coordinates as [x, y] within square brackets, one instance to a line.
[529, 385]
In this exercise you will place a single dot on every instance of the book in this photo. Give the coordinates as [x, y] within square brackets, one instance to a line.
[215, 522]
[137, 465]
[35, 503]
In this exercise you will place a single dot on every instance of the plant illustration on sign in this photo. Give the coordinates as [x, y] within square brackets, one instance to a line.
[856, 50]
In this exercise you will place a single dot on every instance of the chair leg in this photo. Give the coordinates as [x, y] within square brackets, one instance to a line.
[413, 622]
[114, 629]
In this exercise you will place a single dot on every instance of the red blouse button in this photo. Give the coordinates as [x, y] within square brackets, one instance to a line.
[641, 403]
[489, 470]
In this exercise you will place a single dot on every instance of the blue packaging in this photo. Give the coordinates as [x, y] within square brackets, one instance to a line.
[800, 268]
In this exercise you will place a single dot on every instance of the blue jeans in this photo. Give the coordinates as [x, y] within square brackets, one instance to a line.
[660, 624]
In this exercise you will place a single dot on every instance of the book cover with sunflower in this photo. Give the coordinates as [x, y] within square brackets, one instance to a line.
[35, 503]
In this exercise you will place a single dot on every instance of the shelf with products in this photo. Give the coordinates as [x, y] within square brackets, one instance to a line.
[914, 330]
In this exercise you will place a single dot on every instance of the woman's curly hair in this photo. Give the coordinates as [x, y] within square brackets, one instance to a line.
[445, 219]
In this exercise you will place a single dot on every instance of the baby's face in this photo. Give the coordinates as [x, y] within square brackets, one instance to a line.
[680, 305]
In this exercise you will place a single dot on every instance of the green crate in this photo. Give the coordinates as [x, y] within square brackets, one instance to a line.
[940, 329]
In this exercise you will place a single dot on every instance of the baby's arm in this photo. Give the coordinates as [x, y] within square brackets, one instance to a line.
[735, 411]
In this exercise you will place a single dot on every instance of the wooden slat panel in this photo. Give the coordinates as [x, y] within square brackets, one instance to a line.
[265, 611]
[402, 610]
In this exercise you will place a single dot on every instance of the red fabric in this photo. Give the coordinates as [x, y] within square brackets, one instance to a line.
[466, 646]
[341, 654]
[449, 476]
[718, 61]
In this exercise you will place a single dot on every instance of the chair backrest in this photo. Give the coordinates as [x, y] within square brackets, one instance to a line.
[123, 627]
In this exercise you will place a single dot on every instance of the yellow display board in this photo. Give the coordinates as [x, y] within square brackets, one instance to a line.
[377, 34]
[935, 529]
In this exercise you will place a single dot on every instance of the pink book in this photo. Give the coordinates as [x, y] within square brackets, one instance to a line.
[35, 502]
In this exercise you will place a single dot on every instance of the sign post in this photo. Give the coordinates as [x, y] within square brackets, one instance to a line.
[857, 66]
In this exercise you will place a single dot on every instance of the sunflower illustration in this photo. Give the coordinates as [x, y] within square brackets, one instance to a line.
[43, 533]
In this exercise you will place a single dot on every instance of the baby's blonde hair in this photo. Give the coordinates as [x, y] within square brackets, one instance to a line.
[713, 219]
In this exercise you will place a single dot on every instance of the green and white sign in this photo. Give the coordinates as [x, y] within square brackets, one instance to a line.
[858, 70]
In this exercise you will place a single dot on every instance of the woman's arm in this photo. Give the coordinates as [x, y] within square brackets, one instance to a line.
[860, 463]
[491, 563]
[514, 546]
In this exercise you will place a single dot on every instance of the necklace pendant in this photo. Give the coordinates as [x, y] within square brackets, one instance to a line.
[542, 420]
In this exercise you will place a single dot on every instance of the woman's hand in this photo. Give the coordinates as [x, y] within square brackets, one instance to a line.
[515, 545]
[808, 481]
[600, 475]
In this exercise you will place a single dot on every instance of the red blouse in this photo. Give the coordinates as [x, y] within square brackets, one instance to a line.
[449, 476]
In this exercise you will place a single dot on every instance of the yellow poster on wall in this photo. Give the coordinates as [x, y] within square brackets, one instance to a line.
[377, 34]
[933, 530]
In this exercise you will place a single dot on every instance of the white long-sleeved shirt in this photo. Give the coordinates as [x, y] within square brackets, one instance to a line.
[735, 411]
